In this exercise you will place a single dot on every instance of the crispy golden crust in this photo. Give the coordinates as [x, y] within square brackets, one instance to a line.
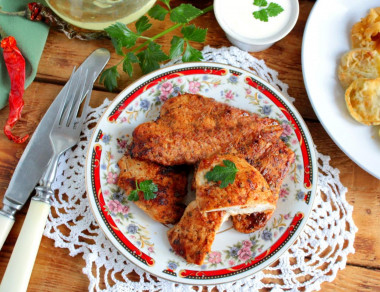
[366, 32]
[274, 166]
[167, 207]
[358, 63]
[193, 235]
[363, 100]
[249, 189]
[192, 127]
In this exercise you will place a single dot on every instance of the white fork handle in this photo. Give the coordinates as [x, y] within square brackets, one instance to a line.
[20, 266]
[5, 227]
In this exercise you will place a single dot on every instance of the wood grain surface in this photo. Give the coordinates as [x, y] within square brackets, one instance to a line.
[56, 270]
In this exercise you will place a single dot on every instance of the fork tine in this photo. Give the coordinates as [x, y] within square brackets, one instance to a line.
[71, 101]
[64, 102]
[78, 102]
[83, 116]
[80, 122]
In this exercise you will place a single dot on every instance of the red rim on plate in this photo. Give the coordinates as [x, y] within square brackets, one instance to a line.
[128, 227]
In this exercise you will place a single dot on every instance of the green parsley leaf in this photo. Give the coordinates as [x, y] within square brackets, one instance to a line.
[184, 13]
[118, 46]
[132, 57]
[149, 189]
[195, 34]
[121, 35]
[166, 2]
[148, 186]
[225, 174]
[261, 15]
[177, 47]
[134, 196]
[127, 67]
[142, 24]
[150, 58]
[127, 63]
[158, 12]
[191, 54]
[274, 9]
[229, 164]
[260, 3]
[109, 78]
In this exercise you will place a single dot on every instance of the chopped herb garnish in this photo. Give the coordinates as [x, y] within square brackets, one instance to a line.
[272, 10]
[148, 187]
[225, 174]
[260, 3]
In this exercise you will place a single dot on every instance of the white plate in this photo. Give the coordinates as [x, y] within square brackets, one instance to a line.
[326, 39]
[143, 241]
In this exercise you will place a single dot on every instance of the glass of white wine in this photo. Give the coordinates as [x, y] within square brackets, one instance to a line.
[99, 14]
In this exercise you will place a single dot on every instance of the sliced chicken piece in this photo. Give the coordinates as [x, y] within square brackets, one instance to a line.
[274, 165]
[192, 127]
[248, 223]
[167, 207]
[248, 193]
[193, 235]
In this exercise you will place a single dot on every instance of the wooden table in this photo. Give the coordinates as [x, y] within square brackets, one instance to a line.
[55, 270]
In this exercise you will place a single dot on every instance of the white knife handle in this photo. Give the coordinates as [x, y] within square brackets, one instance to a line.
[20, 266]
[6, 224]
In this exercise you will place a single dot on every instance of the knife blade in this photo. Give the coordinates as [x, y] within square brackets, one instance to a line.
[38, 152]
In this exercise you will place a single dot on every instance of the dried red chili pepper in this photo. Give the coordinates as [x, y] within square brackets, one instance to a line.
[15, 64]
[38, 12]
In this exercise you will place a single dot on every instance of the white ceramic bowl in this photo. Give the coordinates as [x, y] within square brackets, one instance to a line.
[254, 44]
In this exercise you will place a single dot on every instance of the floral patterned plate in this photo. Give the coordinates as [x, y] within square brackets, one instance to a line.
[143, 241]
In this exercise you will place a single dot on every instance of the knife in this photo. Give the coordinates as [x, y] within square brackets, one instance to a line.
[38, 152]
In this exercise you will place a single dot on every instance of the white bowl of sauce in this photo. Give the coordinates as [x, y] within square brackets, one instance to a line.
[248, 33]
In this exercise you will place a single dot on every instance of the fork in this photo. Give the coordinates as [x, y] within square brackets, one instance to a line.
[65, 134]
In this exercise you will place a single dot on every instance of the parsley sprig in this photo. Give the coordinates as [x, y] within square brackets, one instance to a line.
[149, 54]
[225, 174]
[148, 187]
[272, 10]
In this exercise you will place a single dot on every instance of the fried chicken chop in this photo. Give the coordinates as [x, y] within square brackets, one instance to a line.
[192, 127]
[167, 207]
[248, 193]
[193, 235]
[274, 164]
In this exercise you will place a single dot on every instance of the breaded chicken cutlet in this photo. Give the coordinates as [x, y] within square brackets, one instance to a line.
[274, 164]
[249, 192]
[193, 235]
[192, 127]
[167, 207]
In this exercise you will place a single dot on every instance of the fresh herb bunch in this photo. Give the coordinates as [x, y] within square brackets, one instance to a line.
[148, 187]
[272, 10]
[149, 55]
[225, 174]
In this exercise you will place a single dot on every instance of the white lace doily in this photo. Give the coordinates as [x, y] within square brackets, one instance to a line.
[315, 257]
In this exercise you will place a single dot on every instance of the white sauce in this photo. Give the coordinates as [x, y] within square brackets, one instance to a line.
[237, 16]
